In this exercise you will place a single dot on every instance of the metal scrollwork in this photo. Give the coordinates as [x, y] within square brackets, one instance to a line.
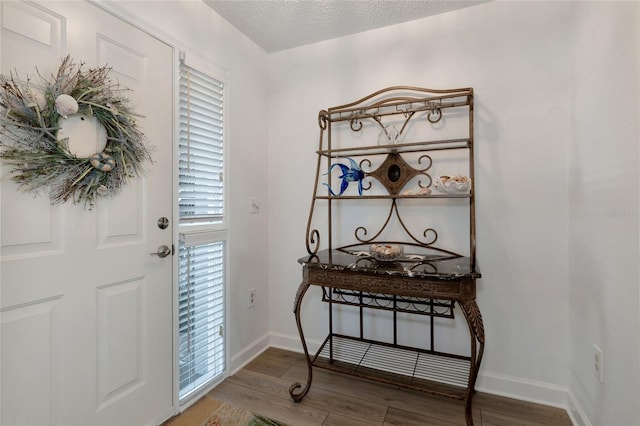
[355, 124]
[428, 157]
[364, 230]
[424, 266]
[365, 160]
[423, 171]
[430, 235]
[433, 233]
[427, 185]
[415, 305]
[362, 168]
[313, 241]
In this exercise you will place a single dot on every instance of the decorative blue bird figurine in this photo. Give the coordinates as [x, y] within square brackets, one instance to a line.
[349, 174]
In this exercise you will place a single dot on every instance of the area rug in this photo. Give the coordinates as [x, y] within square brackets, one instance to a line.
[211, 412]
[226, 415]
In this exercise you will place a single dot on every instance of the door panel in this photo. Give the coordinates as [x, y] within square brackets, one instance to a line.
[27, 368]
[121, 221]
[43, 31]
[79, 290]
[120, 337]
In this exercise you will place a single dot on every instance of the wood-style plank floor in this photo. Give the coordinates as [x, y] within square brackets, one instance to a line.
[339, 400]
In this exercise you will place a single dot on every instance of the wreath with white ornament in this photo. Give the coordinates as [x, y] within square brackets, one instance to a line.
[32, 136]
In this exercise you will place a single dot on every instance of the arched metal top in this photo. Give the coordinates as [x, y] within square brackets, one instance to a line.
[399, 99]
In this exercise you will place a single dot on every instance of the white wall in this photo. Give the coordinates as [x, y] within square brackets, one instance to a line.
[516, 56]
[193, 26]
[604, 211]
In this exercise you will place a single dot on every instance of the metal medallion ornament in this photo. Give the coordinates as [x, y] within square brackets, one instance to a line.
[34, 143]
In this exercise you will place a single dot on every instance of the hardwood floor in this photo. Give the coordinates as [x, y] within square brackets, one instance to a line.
[339, 400]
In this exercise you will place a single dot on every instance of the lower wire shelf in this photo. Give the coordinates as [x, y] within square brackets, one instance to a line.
[428, 371]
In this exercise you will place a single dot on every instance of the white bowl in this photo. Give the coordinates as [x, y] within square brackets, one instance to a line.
[457, 184]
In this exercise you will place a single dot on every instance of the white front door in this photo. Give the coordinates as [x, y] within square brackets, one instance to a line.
[85, 310]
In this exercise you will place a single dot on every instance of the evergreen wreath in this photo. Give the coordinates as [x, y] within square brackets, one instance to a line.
[42, 162]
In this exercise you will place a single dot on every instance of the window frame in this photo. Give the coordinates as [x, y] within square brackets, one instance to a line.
[202, 232]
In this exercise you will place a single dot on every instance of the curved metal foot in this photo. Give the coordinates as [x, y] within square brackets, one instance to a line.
[298, 396]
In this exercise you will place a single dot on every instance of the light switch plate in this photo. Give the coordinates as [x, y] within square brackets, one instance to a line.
[254, 203]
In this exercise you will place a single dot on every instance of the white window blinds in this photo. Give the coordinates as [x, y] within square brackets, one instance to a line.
[201, 251]
[201, 147]
[201, 315]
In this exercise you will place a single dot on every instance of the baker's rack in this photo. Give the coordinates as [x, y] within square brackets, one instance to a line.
[429, 279]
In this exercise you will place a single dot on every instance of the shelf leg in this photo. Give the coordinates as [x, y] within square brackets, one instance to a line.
[298, 396]
[476, 330]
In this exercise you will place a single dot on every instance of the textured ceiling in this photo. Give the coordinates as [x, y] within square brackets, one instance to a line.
[282, 24]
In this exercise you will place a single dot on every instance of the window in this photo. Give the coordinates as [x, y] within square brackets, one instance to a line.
[201, 315]
[201, 149]
[202, 246]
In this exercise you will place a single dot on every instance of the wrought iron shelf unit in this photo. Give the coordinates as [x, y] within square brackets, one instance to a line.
[429, 279]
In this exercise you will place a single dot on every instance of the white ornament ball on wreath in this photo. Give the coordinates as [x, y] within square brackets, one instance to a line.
[85, 135]
[66, 105]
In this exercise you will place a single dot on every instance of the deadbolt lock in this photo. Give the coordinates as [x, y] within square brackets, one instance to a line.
[163, 223]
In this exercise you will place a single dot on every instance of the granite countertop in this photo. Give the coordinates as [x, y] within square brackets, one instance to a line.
[426, 266]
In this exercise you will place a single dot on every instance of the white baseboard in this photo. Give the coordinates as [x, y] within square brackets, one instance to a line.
[523, 389]
[293, 344]
[248, 354]
[575, 411]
